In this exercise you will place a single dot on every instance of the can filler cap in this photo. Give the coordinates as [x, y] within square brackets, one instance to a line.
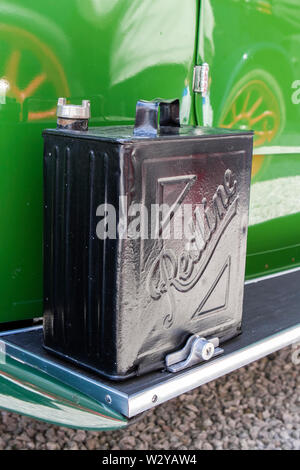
[73, 116]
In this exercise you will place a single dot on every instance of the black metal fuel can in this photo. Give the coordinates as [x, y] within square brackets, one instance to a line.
[145, 233]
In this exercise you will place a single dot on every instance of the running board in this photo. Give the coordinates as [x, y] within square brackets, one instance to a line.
[271, 321]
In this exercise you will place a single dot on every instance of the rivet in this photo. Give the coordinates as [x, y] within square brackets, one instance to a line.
[154, 398]
[108, 399]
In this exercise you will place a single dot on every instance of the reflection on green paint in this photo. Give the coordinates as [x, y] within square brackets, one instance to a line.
[32, 393]
[111, 52]
[253, 49]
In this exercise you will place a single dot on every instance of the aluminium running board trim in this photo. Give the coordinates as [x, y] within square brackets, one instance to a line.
[205, 373]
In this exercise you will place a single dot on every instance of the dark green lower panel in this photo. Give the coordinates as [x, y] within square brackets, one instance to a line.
[30, 392]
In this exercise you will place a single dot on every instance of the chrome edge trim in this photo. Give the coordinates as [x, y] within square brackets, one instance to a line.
[207, 372]
[20, 330]
[70, 377]
[271, 276]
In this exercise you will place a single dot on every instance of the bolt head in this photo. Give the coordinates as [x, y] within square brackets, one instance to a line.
[208, 351]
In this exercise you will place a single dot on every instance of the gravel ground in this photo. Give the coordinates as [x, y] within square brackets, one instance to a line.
[257, 407]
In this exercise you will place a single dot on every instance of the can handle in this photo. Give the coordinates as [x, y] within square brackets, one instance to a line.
[156, 117]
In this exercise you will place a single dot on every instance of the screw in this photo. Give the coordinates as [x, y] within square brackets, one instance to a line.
[108, 399]
[154, 398]
[205, 349]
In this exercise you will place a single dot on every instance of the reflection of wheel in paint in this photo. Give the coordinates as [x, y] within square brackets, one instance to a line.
[32, 71]
[256, 102]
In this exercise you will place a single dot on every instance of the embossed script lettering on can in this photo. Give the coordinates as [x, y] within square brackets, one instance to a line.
[183, 270]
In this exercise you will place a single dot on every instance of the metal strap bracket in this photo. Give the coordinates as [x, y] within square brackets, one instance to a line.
[197, 349]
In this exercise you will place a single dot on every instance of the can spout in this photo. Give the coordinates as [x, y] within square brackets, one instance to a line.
[156, 117]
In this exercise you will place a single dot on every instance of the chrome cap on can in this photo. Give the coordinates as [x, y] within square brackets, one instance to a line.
[73, 116]
[73, 111]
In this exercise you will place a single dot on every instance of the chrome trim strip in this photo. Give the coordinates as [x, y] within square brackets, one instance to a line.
[20, 330]
[203, 374]
[276, 150]
[271, 276]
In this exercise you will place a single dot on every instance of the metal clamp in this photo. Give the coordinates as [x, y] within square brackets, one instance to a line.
[196, 350]
[157, 113]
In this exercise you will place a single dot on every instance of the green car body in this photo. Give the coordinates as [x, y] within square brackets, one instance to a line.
[114, 52]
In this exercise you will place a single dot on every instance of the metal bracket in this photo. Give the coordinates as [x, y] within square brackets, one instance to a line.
[197, 349]
[200, 79]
